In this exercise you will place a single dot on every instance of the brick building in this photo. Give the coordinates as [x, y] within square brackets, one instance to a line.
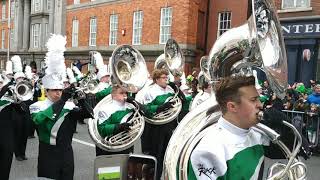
[103, 24]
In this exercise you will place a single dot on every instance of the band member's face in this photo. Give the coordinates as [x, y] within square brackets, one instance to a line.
[248, 108]
[105, 79]
[120, 95]
[162, 81]
[66, 84]
[54, 94]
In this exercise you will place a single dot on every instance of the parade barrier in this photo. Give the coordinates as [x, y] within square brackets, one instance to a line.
[307, 124]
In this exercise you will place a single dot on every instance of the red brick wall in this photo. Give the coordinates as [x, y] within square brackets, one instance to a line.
[184, 24]
[238, 16]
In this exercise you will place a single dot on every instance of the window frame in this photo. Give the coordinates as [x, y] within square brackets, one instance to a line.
[113, 29]
[93, 34]
[4, 10]
[295, 5]
[163, 37]
[3, 38]
[137, 26]
[36, 37]
[75, 33]
[228, 21]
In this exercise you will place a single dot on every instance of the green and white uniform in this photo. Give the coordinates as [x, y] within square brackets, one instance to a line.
[48, 125]
[104, 89]
[4, 102]
[228, 152]
[156, 96]
[111, 115]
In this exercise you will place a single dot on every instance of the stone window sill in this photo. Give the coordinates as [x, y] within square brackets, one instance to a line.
[295, 10]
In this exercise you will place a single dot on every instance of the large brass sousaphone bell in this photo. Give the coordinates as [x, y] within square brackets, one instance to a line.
[130, 72]
[173, 60]
[258, 43]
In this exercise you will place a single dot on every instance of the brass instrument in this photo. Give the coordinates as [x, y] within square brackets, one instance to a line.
[130, 72]
[257, 43]
[172, 60]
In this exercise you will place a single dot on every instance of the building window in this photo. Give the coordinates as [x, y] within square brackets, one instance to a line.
[3, 10]
[2, 64]
[165, 24]
[76, 1]
[36, 6]
[224, 22]
[292, 4]
[93, 32]
[12, 10]
[48, 4]
[3, 38]
[137, 27]
[75, 30]
[46, 29]
[113, 29]
[35, 30]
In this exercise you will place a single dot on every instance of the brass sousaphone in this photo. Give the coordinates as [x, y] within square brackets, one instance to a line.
[129, 71]
[173, 60]
[258, 43]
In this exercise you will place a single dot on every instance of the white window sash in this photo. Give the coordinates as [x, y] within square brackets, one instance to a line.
[165, 24]
[3, 38]
[226, 23]
[295, 4]
[137, 27]
[113, 29]
[3, 10]
[93, 32]
[75, 29]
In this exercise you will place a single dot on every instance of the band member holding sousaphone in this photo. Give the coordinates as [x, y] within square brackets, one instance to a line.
[223, 138]
[114, 117]
[56, 117]
[118, 121]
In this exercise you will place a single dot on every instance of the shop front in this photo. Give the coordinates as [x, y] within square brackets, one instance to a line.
[302, 39]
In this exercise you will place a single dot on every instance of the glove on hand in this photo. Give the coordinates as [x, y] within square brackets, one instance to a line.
[173, 86]
[273, 116]
[130, 100]
[121, 127]
[67, 94]
[164, 107]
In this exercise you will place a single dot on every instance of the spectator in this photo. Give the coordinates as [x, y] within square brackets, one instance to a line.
[315, 96]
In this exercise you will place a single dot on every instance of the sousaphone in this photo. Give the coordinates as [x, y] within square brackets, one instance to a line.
[258, 43]
[130, 72]
[173, 61]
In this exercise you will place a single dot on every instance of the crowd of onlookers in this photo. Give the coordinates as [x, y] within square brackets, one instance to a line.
[302, 105]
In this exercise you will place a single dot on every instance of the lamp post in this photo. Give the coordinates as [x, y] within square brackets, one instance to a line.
[9, 29]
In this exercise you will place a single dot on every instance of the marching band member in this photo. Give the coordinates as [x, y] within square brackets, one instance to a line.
[21, 114]
[56, 117]
[104, 87]
[202, 96]
[155, 138]
[114, 117]
[6, 126]
[232, 149]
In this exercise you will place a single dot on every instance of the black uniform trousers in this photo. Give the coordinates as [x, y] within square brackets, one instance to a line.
[55, 162]
[22, 118]
[6, 141]
[154, 141]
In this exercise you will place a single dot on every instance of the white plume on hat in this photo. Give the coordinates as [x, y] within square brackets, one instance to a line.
[77, 72]
[17, 65]
[28, 72]
[55, 62]
[9, 67]
[99, 60]
[71, 77]
[103, 71]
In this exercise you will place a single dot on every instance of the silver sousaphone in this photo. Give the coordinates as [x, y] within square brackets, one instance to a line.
[130, 72]
[258, 43]
[172, 60]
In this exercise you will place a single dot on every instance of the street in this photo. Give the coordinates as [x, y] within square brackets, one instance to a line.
[84, 154]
